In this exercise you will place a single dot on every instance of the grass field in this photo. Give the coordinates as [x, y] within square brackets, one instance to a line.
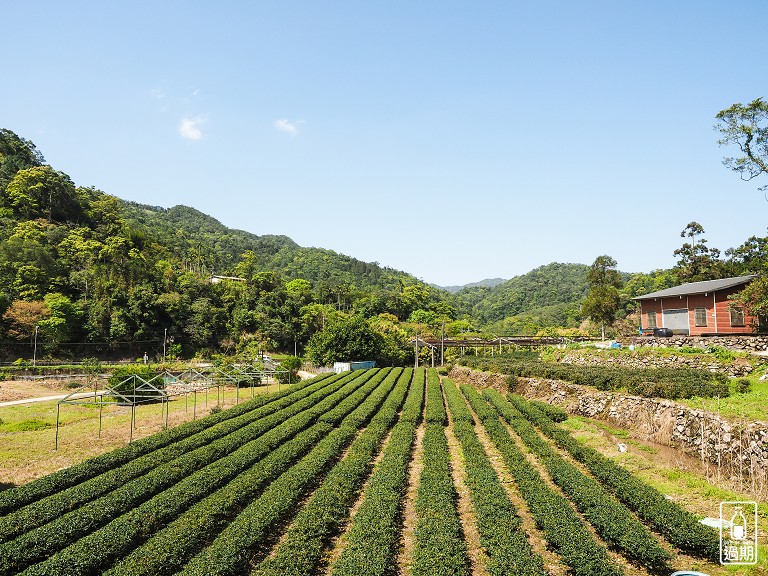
[28, 431]
[385, 471]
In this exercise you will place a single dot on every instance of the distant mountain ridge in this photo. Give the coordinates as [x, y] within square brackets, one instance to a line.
[489, 282]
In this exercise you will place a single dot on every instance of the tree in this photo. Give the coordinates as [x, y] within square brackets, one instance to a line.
[63, 319]
[749, 258]
[697, 261]
[16, 154]
[22, 316]
[747, 127]
[603, 300]
[42, 192]
[344, 340]
[291, 365]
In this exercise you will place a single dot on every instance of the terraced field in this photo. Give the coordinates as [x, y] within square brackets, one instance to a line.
[383, 471]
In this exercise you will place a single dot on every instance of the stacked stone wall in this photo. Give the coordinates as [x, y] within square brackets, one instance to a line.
[737, 343]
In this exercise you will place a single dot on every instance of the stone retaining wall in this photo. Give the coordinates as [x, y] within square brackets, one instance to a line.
[738, 447]
[738, 343]
[737, 368]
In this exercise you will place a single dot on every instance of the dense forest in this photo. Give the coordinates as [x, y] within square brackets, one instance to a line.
[83, 273]
[91, 273]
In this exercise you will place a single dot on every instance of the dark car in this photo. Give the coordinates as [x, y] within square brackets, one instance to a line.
[662, 332]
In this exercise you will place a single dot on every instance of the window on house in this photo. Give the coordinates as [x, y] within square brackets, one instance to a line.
[737, 316]
[651, 319]
[700, 316]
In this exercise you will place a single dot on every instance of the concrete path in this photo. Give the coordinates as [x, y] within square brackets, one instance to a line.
[48, 398]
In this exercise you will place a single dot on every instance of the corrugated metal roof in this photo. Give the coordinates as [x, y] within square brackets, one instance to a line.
[698, 287]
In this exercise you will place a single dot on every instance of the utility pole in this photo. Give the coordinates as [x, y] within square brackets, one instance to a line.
[34, 351]
[416, 363]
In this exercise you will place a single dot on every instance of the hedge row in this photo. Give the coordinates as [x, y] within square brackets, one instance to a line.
[168, 550]
[440, 549]
[230, 455]
[339, 412]
[374, 535]
[678, 525]
[456, 403]
[554, 413]
[616, 525]
[435, 411]
[501, 534]
[301, 550]
[48, 509]
[669, 383]
[414, 403]
[15, 498]
[564, 530]
[233, 549]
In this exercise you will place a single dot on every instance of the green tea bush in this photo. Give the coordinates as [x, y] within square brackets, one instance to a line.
[564, 530]
[670, 383]
[374, 535]
[554, 413]
[501, 533]
[612, 520]
[679, 526]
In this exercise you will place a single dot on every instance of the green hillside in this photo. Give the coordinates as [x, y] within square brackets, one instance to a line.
[83, 272]
[553, 285]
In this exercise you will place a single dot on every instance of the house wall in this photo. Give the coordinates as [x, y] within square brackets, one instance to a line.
[708, 303]
[723, 307]
[718, 314]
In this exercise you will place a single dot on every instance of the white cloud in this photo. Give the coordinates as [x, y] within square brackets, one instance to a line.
[287, 126]
[189, 128]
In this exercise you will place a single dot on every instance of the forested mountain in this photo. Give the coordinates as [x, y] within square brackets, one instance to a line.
[83, 271]
[213, 248]
[546, 286]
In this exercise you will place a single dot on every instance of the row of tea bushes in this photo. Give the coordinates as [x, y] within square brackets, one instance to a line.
[615, 524]
[300, 551]
[500, 528]
[374, 535]
[167, 550]
[138, 479]
[670, 383]
[440, 549]
[16, 498]
[678, 525]
[234, 548]
[564, 530]
[76, 534]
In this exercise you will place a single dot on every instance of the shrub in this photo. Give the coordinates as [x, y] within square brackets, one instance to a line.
[291, 364]
[554, 413]
[743, 385]
[679, 526]
[122, 382]
[671, 383]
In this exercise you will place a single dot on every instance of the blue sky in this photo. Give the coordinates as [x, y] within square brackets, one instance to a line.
[454, 140]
